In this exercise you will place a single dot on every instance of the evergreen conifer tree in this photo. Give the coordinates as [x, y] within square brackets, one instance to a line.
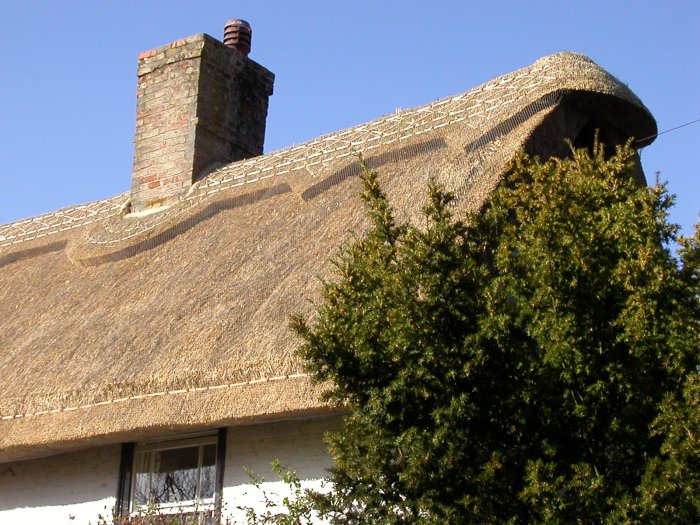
[533, 363]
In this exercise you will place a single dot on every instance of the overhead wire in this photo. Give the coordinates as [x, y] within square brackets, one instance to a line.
[667, 131]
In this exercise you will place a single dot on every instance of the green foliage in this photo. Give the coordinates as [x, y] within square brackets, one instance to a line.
[534, 363]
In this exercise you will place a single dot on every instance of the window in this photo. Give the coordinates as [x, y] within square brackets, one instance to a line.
[175, 475]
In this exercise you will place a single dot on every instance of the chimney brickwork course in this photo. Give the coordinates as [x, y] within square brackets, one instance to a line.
[200, 104]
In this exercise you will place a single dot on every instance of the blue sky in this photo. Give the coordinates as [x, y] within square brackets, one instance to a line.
[68, 81]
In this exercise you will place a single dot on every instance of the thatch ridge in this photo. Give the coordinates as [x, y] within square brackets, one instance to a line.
[491, 100]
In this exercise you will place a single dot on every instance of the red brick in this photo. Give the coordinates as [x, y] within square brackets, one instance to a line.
[147, 54]
[172, 112]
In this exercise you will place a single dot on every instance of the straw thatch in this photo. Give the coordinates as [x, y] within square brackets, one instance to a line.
[118, 327]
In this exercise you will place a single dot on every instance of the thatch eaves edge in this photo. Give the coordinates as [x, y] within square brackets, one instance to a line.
[143, 417]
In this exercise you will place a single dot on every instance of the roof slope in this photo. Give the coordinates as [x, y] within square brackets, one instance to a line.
[117, 327]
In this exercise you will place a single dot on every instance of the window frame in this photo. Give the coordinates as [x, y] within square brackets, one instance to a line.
[127, 470]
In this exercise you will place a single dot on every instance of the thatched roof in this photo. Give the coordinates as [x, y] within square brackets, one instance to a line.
[116, 327]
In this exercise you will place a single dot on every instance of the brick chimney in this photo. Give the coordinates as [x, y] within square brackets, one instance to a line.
[200, 104]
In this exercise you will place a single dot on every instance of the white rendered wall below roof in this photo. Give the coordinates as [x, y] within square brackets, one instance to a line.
[296, 444]
[70, 489]
[79, 487]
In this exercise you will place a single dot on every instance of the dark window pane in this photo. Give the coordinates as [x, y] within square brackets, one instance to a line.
[175, 476]
[208, 477]
[209, 455]
[177, 459]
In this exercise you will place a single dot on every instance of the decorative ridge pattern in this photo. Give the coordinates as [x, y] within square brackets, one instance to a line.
[476, 106]
[60, 220]
[495, 98]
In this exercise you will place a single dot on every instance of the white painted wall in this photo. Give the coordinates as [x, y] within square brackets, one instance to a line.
[68, 489]
[297, 444]
[78, 488]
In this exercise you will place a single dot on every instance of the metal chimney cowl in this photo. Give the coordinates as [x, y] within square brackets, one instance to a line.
[238, 35]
